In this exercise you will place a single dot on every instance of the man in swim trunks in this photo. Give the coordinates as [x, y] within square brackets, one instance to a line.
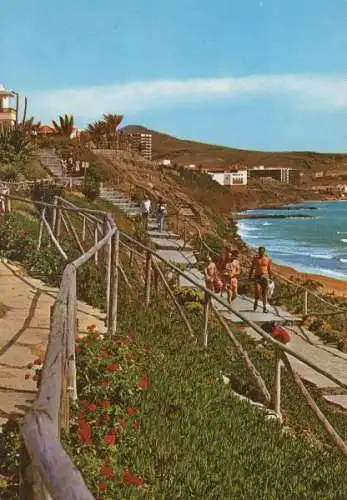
[211, 274]
[261, 268]
[231, 274]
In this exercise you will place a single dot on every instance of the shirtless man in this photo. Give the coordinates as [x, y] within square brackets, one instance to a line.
[211, 274]
[261, 268]
[232, 273]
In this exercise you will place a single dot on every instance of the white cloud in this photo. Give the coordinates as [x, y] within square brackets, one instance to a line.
[88, 103]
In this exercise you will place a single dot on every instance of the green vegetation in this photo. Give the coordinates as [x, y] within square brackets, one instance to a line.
[154, 419]
[65, 126]
[16, 150]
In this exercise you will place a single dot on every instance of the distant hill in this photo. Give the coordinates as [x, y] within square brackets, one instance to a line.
[183, 151]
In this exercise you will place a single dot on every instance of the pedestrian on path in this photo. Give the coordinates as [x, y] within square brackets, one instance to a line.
[212, 280]
[161, 212]
[146, 208]
[232, 273]
[261, 269]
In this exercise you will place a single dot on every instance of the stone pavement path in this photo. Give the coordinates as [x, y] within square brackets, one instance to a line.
[24, 334]
[302, 341]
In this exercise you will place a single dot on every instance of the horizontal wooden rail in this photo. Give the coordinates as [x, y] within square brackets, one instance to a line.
[248, 322]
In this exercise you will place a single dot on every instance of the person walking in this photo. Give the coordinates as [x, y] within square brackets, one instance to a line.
[232, 273]
[261, 269]
[161, 212]
[211, 274]
[146, 208]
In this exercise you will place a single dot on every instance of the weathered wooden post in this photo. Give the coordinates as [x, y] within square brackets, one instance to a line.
[39, 241]
[71, 338]
[54, 212]
[131, 258]
[148, 278]
[276, 397]
[96, 239]
[207, 299]
[306, 302]
[64, 398]
[106, 257]
[84, 228]
[112, 323]
[57, 225]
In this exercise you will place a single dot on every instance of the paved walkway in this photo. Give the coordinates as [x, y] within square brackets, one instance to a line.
[24, 334]
[171, 247]
[302, 341]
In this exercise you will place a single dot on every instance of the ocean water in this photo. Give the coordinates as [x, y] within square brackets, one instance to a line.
[317, 245]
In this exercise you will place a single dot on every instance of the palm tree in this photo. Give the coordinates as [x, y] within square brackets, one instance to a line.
[112, 122]
[65, 126]
[97, 132]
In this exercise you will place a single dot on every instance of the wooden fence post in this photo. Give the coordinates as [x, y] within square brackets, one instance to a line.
[107, 260]
[54, 213]
[71, 338]
[148, 278]
[39, 241]
[113, 300]
[64, 398]
[57, 225]
[84, 228]
[306, 302]
[207, 300]
[276, 397]
[175, 301]
[95, 242]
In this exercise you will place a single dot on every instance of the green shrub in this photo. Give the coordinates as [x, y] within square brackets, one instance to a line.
[91, 188]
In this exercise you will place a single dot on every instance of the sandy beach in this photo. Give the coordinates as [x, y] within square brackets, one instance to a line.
[329, 285]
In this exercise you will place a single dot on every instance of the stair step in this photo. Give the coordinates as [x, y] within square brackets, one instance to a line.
[176, 257]
[171, 244]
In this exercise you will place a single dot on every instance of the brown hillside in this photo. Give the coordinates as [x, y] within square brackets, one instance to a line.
[184, 151]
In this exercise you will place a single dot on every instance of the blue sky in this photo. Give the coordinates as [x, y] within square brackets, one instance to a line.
[255, 74]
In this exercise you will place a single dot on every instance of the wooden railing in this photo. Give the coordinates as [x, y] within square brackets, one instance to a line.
[54, 473]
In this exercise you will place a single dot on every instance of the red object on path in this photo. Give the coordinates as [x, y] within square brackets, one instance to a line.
[279, 333]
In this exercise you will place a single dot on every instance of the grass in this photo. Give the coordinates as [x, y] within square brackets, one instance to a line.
[196, 440]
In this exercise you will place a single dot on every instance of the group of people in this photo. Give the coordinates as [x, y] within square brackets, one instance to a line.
[71, 166]
[160, 212]
[224, 276]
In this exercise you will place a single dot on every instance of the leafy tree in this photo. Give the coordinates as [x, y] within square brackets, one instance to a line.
[16, 149]
[65, 126]
[97, 133]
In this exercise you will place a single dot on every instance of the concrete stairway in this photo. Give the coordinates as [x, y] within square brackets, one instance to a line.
[49, 159]
[51, 162]
[120, 200]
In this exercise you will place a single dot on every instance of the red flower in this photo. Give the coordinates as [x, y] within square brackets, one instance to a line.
[102, 486]
[122, 422]
[91, 407]
[143, 384]
[30, 365]
[112, 367]
[110, 439]
[131, 411]
[81, 415]
[129, 478]
[106, 471]
[85, 432]
[135, 425]
[38, 361]
[27, 376]
[91, 328]
[106, 418]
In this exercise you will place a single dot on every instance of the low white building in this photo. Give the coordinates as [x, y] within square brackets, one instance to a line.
[238, 178]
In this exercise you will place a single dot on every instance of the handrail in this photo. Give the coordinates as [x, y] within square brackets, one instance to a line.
[40, 427]
[249, 322]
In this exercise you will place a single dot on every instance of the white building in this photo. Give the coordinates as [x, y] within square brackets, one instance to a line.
[238, 178]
